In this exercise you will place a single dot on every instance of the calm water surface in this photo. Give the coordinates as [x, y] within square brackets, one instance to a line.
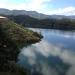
[53, 55]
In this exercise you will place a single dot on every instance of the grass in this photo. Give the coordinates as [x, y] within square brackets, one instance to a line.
[19, 34]
[12, 38]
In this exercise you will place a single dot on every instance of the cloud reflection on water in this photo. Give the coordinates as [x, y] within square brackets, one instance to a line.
[51, 56]
[38, 55]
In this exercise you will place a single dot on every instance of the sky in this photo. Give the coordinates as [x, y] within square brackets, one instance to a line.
[49, 7]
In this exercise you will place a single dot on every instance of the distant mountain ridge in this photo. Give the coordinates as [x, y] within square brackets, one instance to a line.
[33, 14]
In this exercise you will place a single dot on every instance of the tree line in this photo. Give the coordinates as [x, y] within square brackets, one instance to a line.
[64, 23]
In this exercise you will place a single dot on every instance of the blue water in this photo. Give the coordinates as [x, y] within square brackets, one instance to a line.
[53, 55]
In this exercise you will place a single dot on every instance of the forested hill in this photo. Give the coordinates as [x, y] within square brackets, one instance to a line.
[12, 38]
[52, 23]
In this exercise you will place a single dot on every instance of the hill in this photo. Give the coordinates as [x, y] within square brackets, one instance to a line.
[39, 20]
[63, 24]
[33, 14]
[12, 38]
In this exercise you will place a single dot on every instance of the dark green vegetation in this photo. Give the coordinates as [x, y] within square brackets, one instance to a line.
[64, 23]
[39, 20]
[12, 38]
[18, 34]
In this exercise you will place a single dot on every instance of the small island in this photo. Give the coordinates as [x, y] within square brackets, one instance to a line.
[12, 38]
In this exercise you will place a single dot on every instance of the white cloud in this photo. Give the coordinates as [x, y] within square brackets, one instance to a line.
[35, 5]
[44, 50]
[63, 11]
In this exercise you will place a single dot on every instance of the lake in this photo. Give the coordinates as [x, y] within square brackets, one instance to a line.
[53, 55]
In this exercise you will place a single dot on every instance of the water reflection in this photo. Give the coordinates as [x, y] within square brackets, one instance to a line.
[54, 55]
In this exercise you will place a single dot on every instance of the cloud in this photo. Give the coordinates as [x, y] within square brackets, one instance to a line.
[37, 56]
[63, 11]
[42, 6]
[35, 5]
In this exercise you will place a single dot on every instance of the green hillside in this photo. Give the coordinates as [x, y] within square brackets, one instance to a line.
[19, 34]
[12, 38]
